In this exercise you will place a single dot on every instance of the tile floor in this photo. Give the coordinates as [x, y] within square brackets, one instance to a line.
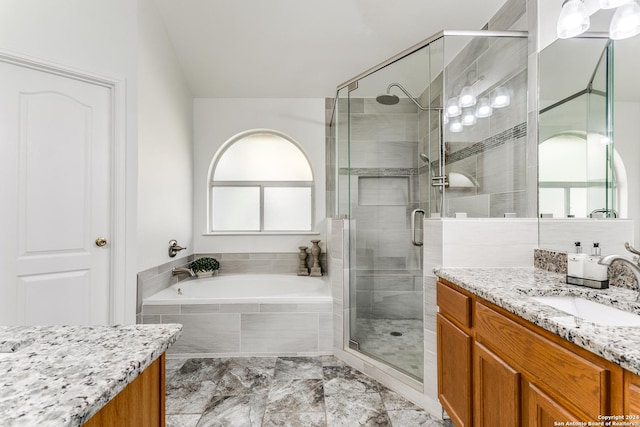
[282, 391]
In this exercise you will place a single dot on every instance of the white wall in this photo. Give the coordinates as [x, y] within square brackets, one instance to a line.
[165, 190]
[98, 37]
[216, 121]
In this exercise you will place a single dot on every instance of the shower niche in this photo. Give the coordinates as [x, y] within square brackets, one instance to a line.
[437, 130]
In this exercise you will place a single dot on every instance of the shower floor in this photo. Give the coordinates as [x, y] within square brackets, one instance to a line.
[405, 352]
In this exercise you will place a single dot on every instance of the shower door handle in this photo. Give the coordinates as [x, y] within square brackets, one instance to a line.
[413, 227]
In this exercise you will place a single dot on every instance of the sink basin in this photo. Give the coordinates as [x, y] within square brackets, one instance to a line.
[590, 311]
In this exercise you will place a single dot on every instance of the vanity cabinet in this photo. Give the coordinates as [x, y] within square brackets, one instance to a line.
[520, 373]
[454, 354]
[140, 404]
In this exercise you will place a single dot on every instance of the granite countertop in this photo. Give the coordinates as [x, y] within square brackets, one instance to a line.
[62, 375]
[510, 288]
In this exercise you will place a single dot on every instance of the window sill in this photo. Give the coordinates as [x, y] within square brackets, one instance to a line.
[262, 233]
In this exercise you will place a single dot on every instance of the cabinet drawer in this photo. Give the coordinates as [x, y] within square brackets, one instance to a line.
[455, 305]
[548, 364]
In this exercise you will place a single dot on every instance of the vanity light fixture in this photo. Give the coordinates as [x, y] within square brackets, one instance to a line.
[455, 125]
[453, 109]
[573, 20]
[484, 108]
[500, 97]
[467, 97]
[626, 21]
[468, 117]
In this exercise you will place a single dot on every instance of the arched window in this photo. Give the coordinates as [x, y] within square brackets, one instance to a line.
[573, 175]
[260, 181]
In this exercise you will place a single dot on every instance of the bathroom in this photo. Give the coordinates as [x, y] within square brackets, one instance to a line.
[173, 134]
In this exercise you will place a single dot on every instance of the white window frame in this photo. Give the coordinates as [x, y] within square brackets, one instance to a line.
[261, 184]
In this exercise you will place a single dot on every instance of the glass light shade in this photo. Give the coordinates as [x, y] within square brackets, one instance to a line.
[445, 119]
[455, 126]
[610, 4]
[453, 109]
[468, 117]
[573, 20]
[484, 108]
[467, 97]
[500, 98]
[625, 22]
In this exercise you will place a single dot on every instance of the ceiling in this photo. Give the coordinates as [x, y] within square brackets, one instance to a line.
[301, 49]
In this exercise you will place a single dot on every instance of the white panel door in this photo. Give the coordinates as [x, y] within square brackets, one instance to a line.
[56, 133]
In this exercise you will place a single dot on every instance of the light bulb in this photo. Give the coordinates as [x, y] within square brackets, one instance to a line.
[453, 109]
[500, 98]
[625, 22]
[484, 108]
[468, 117]
[455, 126]
[573, 20]
[610, 4]
[467, 97]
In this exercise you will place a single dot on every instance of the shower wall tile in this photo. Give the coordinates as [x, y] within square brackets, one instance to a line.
[458, 67]
[354, 105]
[513, 202]
[404, 106]
[386, 191]
[508, 15]
[397, 305]
[473, 206]
[363, 128]
[505, 118]
[386, 282]
[510, 175]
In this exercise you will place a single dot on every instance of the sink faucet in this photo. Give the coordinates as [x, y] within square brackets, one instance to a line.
[633, 264]
[180, 270]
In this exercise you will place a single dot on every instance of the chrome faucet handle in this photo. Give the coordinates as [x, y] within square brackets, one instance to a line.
[631, 249]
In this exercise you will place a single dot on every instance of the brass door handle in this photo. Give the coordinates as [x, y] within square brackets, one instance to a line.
[101, 241]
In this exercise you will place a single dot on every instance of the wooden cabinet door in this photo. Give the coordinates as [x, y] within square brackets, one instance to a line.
[631, 394]
[543, 411]
[454, 371]
[497, 392]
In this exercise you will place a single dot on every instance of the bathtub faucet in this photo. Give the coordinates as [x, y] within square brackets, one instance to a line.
[180, 270]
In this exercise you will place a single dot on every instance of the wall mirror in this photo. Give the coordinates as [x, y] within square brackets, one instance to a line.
[588, 139]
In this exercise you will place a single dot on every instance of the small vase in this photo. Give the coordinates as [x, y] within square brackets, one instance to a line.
[316, 271]
[302, 256]
[202, 274]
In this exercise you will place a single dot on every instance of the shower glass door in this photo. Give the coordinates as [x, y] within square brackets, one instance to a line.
[392, 119]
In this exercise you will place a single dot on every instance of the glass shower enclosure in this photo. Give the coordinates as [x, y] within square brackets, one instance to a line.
[410, 140]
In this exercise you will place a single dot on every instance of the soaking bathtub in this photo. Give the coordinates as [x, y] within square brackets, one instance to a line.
[246, 315]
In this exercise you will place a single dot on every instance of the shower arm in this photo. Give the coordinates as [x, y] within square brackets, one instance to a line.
[399, 86]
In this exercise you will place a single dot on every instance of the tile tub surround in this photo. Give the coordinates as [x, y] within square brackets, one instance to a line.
[62, 375]
[248, 329]
[158, 278]
[510, 288]
[276, 391]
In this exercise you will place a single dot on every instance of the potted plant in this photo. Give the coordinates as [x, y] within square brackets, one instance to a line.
[205, 266]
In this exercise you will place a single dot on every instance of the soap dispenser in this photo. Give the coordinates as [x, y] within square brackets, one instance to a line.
[575, 265]
[595, 274]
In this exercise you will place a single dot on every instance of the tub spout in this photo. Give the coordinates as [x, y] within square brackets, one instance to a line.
[175, 271]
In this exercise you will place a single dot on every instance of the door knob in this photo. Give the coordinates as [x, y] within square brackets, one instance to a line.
[101, 241]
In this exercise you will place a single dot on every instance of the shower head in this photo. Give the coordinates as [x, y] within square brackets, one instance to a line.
[387, 99]
[425, 158]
